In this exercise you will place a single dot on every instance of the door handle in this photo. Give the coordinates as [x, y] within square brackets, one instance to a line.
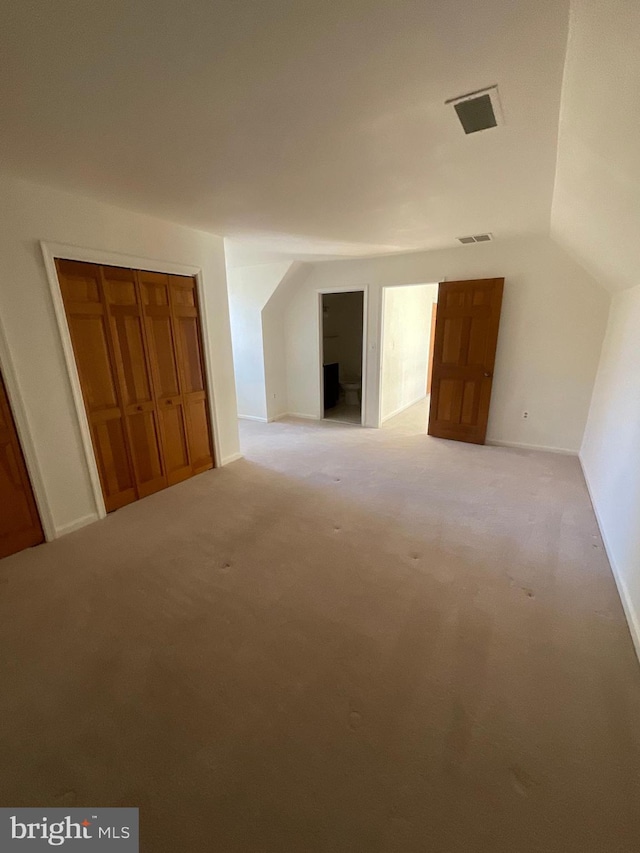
[487, 374]
[169, 402]
[139, 408]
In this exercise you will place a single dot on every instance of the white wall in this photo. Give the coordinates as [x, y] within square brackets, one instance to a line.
[250, 288]
[595, 214]
[273, 338]
[406, 333]
[553, 321]
[257, 295]
[611, 449]
[275, 364]
[596, 204]
[37, 373]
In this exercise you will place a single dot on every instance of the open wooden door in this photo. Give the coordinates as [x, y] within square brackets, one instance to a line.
[466, 337]
[19, 520]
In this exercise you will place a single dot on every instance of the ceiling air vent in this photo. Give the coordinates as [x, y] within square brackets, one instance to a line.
[479, 110]
[477, 238]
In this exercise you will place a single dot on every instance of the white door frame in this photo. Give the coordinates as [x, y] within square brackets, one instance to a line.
[364, 288]
[51, 251]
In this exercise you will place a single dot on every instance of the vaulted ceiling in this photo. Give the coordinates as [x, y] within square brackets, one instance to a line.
[596, 207]
[313, 128]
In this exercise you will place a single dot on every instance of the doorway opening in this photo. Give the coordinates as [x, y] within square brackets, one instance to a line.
[342, 355]
[406, 356]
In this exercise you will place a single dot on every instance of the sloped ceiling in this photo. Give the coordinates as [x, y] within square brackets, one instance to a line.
[315, 128]
[596, 206]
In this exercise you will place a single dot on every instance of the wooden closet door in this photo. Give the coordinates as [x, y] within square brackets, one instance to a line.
[132, 364]
[19, 520]
[156, 306]
[88, 322]
[184, 306]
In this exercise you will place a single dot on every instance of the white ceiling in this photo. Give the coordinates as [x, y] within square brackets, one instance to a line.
[311, 127]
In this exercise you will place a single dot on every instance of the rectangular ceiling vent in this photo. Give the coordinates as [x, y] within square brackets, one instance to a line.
[477, 238]
[479, 110]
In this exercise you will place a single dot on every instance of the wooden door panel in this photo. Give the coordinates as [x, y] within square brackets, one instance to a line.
[478, 340]
[466, 335]
[129, 343]
[448, 400]
[146, 448]
[183, 294]
[19, 520]
[199, 435]
[114, 466]
[16, 518]
[452, 339]
[133, 365]
[458, 401]
[89, 338]
[184, 306]
[6, 422]
[145, 443]
[163, 351]
[120, 286]
[164, 355]
[155, 289]
[86, 305]
[176, 454]
[79, 282]
[470, 402]
[191, 355]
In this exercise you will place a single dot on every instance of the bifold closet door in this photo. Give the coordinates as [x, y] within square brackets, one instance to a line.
[122, 296]
[89, 327]
[161, 334]
[173, 330]
[184, 306]
[136, 340]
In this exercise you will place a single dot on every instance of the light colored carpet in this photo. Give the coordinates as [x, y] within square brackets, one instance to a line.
[352, 641]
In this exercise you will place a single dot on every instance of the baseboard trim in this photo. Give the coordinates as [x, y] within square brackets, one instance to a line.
[633, 620]
[402, 409]
[253, 418]
[233, 457]
[543, 447]
[76, 525]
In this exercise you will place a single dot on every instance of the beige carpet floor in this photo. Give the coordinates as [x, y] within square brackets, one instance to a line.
[351, 641]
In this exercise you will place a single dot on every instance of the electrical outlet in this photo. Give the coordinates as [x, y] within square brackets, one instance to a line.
[525, 415]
